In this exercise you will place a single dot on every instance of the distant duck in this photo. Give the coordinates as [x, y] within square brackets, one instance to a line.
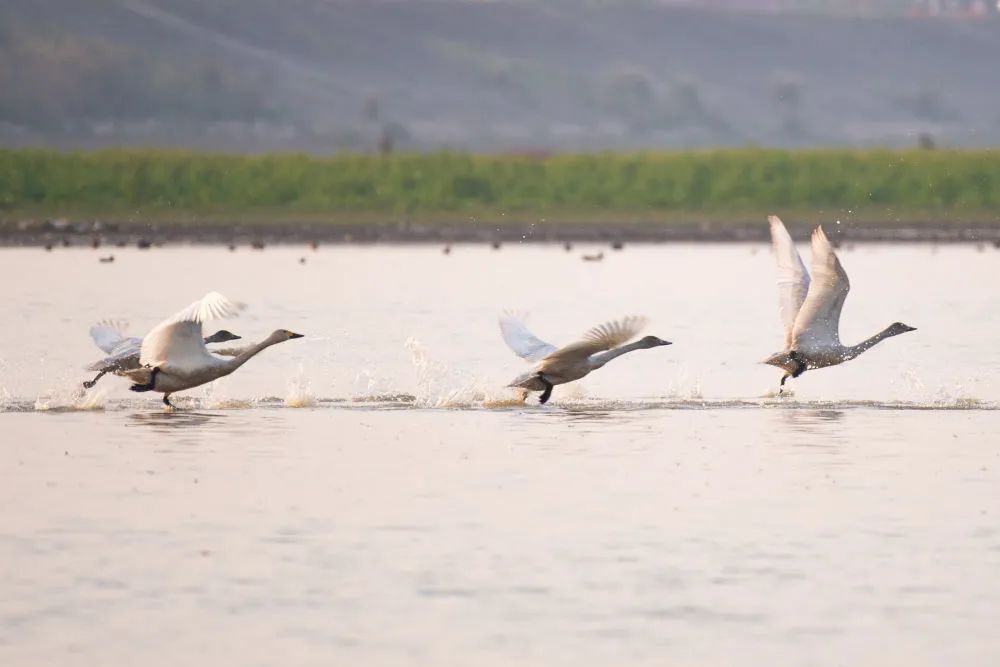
[174, 356]
[302, 260]
[257, 245]
[567, 246]
[143, 244]
[446, 250]
[574, 361]
[810, 309]
[123, 351]
[106, 260]
[593, 258]
[617, 244]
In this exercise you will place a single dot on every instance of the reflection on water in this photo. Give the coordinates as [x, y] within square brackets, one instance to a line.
[167, 421]
[821, 425]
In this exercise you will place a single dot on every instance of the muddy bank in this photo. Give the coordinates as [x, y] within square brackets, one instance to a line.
[65, 232]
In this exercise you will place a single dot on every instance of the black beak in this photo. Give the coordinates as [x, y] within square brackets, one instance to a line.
[295, 335]
[235, 337]
[665, 342]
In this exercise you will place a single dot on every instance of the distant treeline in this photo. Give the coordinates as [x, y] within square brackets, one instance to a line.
[926, 181]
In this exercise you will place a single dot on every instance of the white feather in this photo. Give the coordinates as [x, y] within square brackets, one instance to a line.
[109, 334]
[524, 343]
[817, 325]
[177, 344]
[793, 279]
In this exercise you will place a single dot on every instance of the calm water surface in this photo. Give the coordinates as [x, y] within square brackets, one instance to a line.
[372, 495]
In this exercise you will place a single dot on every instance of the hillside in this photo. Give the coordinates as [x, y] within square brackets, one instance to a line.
[322, 75]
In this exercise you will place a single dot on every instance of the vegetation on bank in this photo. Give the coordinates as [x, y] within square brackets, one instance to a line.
[162, 182]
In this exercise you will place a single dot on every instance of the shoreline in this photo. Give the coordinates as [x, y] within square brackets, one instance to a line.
[69, 233]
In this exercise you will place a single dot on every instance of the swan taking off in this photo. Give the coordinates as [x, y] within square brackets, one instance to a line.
[123, 351]
[561, 365]
[810, 310]
[174, 356]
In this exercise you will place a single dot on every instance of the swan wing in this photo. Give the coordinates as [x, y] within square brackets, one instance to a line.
[793, 279]
[817, 326]
[122, 358]
[602, 337]
[109, 334]
[177, 344]
[518, 338]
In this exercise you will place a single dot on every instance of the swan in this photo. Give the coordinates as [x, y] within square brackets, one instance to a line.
[810, 310]
[572, 362]
[174, 356]
[123, 351]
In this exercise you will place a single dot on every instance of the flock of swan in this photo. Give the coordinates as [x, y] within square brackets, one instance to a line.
[175, 356]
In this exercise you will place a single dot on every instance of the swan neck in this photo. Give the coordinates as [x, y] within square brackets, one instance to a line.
[601, 358]
[245, 356]
[867, 344]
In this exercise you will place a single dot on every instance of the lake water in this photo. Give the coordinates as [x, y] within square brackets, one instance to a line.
[371, 494]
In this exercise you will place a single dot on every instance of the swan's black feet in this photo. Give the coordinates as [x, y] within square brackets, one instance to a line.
[548, 390]
[781, 388]
[149, 386]
[90, 383]
[166, 401]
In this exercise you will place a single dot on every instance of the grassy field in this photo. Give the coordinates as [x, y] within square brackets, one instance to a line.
[659, 186]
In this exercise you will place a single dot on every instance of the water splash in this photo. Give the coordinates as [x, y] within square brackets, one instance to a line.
[299, 394]
[71, 398]
[441, 386]
[685, 384]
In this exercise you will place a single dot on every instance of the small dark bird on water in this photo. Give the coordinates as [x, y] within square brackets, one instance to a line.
[446, 250]
[314, 244]
[95, 242]
[567, 246]
[257, 245]
[232, 247]
[106, 260]
[48, 247]
[143, 244]
[617, 244]
[593, 258]
[496, 245]
[302, 260]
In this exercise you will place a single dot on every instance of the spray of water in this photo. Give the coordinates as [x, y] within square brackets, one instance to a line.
[299, 394]
[440, 386]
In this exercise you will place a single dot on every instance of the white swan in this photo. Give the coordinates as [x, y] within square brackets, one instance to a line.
[810, 310]
[174, 356]
[561, 365]
[123, 351]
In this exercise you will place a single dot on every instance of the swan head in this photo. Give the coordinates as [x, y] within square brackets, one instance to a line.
[653, 341]
[221, 336]
[281, 335]
[897, 328]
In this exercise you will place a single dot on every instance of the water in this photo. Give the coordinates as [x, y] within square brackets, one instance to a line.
[372, 495]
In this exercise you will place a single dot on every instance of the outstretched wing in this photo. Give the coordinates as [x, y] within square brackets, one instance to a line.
[177, 343]
[524, 343]
[817, 325]
[600, 338]
[109, 334]
[123, 357]
[793, 279]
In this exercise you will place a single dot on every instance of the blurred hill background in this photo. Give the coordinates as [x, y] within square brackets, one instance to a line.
[520, 76]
